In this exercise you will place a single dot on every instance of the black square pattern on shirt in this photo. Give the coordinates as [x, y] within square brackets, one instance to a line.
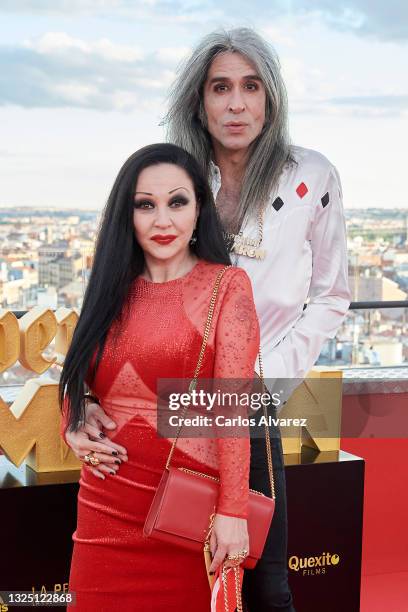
[325, 199]
[277, 204]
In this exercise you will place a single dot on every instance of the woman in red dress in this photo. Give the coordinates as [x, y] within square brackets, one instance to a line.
[158, 253]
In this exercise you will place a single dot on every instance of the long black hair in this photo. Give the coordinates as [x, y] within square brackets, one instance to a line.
[119, 259]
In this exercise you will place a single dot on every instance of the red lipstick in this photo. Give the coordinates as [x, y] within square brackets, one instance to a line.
[163, 239]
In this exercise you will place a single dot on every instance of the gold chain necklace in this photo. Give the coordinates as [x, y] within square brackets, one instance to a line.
[241, 245]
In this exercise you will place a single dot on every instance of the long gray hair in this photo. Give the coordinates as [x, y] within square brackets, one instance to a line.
[186, 118]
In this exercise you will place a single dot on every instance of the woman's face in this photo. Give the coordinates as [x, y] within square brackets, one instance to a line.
[165, 211]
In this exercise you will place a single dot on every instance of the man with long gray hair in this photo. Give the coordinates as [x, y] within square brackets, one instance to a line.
[282, 213]
[281, 209]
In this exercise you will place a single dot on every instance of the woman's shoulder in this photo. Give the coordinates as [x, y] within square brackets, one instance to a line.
[234, 280]
[211, 269]
[235, 295]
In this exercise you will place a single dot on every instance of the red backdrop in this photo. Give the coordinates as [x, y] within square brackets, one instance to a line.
[385, 530]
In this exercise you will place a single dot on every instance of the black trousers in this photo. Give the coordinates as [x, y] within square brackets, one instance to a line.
[266, 588]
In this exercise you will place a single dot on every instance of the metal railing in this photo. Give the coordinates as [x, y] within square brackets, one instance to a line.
[371, 305]
[378, 305]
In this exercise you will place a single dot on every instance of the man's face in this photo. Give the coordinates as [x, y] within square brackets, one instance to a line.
[234, 102]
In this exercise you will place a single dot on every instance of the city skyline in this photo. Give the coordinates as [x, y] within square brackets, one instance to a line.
[46, 260]
[84, 85]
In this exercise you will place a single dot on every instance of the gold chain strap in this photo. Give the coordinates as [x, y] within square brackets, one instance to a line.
[193, 385]
[214, 478]
[267, 438]
[193, 382]
[238, 595]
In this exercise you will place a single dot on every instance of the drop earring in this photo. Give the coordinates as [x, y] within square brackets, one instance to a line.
[193, 238]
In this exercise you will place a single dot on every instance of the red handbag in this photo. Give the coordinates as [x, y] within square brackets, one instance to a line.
[197, 493]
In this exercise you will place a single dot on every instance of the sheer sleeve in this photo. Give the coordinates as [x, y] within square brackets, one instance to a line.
[236, 349]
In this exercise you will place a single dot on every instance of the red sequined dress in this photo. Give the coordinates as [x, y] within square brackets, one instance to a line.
[114, 567]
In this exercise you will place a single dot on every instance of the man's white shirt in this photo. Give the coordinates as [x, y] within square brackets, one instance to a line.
[306, 261]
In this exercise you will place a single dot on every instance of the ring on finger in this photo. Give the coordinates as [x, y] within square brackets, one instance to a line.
[90, 459]
[237, 558]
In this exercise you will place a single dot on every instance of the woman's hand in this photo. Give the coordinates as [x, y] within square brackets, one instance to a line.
[90, 437]
[229, 536]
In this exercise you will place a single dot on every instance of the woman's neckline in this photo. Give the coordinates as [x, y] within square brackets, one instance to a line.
[151, 283]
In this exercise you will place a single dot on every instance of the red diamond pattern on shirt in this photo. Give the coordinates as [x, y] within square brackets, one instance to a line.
[301, 190]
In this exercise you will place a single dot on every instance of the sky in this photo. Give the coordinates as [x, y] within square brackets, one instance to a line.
[83, 85]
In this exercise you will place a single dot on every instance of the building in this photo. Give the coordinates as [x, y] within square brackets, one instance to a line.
[58, 265]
